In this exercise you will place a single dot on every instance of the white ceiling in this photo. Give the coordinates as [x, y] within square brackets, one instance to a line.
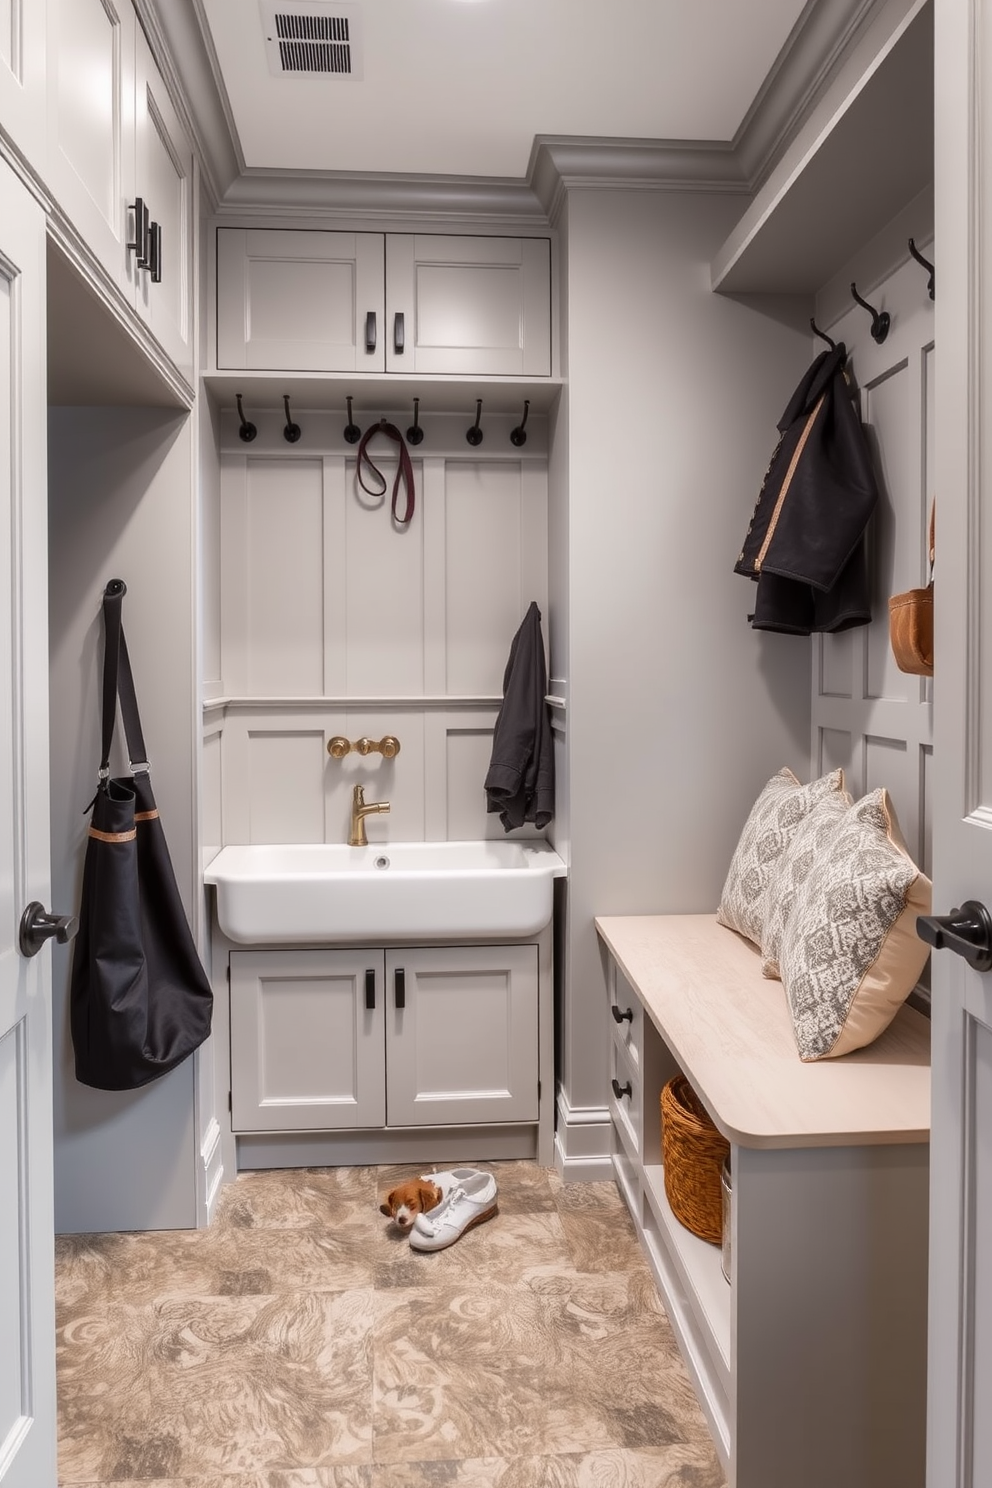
[462, 87]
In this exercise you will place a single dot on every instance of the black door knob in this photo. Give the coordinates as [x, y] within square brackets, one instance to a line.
[966, 931]
[37, 926]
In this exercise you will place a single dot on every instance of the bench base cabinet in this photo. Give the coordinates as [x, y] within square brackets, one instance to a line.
[810, 1364]
[329, 1040]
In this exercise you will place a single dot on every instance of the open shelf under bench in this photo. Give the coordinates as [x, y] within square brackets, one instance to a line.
[811, 1363]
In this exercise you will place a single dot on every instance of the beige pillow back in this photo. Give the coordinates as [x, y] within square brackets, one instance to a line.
[771, 824]
[849, 954]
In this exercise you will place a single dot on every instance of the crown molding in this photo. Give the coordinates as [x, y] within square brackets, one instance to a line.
[822, 39]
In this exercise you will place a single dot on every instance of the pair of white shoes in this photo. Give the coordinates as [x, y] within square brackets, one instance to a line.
[469, 1199]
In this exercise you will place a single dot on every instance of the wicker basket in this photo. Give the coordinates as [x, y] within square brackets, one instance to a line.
[693, 1153]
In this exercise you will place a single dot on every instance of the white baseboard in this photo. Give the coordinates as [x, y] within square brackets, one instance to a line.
[212, 1170]
[583, 1142]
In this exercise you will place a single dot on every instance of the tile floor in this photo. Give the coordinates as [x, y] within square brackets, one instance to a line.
[301, 1343]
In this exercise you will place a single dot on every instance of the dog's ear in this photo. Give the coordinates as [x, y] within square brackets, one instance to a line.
[429, 1195]
[387, 1207]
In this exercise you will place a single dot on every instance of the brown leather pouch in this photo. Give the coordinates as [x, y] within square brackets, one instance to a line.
[911, 625]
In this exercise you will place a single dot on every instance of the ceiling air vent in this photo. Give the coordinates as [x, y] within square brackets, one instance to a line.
[312, 38]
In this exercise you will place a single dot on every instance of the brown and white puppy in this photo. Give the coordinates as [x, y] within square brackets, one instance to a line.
[409, 1199]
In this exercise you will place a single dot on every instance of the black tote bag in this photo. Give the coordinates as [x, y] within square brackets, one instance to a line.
[139, 1000]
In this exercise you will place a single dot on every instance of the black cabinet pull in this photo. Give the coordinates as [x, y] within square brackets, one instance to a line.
[370, 332]
[370, 991]
[141, 227]
[619, 1090]
[399, 983]
[155, 252]
[399, 332]
[619, 1017]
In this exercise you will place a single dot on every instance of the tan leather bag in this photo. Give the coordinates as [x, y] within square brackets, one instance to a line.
[911, 625]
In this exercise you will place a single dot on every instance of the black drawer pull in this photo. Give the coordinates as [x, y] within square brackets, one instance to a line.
[619, 1017]
[399, 983]
[370, 332]
[399, 333]
[619, 1090]
[369, 991]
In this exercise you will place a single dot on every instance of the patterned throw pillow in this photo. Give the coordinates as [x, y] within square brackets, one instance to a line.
[770, 827]
[850, 955]
[811, 838]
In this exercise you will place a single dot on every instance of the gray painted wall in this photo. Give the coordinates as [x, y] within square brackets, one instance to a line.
[678, 712]
[119, 507]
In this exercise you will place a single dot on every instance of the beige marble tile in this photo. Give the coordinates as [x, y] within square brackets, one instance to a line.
[223, 1385]
[303, 1477]
[598, 1239]
[293, 1198]
[671, 1467]
[585, 1195]
[503, 1248]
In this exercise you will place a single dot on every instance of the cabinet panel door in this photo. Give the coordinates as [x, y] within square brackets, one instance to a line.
[164, 179]
[91, 126]
[463, 1047]
[468, 305]
[306, 1051]
[23, 68]
[299, 300]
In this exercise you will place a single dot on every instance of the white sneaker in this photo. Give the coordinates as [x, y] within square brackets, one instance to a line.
[470, 1202]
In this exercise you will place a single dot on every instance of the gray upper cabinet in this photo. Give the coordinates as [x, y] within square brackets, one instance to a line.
[23, 76]
[410, 303]
[114, 138]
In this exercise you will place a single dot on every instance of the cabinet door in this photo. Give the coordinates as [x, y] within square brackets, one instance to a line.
[468, 305]
[306, 1046]
[461, 1035]
[91, 126]
[164, 180]
[299, 300]
[23, 71]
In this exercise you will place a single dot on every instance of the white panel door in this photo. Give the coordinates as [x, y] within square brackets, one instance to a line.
[306, 1040]
[163, 173]
[461, 1035]
[27, 1315]
[91, 127]
[299, 301]
[23, 71]
[474, 305]
[959, 1428]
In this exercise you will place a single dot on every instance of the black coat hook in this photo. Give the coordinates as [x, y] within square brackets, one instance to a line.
[292, 431]
[247, 430]
[517, 435]
[474, 435]
[822, 334]
[415, 434]
[351, 431]
[926, 264]
[880, 319]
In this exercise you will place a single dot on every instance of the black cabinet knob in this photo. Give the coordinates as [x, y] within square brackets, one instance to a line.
[619, 1090]
[619, 1017]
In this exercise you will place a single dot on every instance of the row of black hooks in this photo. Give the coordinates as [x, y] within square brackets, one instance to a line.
[352, 433]
[880, 319]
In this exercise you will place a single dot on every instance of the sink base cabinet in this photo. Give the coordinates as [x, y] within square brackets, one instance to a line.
[376, 1046]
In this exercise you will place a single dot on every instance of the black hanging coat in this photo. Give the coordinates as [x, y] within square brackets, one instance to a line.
[520, 782]
[805, 544]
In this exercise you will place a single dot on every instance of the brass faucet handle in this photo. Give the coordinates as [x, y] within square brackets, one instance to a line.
[338, 747]
[389, 746]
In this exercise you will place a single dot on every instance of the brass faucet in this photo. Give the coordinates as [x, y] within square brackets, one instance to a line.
[359, 811]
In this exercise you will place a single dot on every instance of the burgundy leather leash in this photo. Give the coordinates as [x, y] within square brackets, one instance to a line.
[404, 470]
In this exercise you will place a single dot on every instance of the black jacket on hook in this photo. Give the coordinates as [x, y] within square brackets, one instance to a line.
[805, 544]
[520, 782]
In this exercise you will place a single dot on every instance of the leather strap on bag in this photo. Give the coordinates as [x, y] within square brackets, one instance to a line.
[118, 680]
[404, 470]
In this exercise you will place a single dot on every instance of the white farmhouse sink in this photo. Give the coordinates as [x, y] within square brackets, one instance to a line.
[325, 892]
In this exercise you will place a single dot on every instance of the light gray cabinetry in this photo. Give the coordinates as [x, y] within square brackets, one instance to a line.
[23, 76]
[408, 303]
[114, 137]
[326, 1040]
